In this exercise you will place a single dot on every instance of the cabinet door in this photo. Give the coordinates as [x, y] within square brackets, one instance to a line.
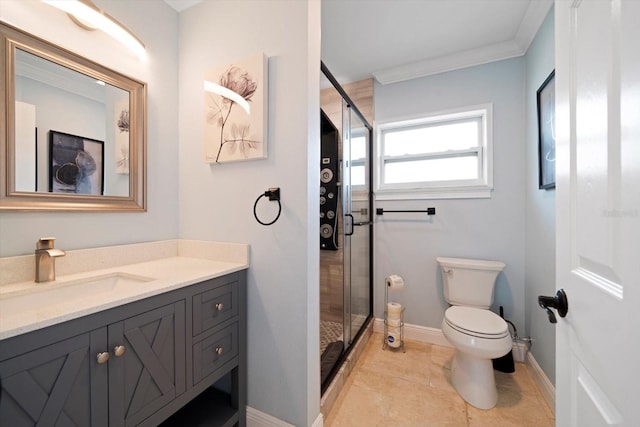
[151, 371]
[58, 385]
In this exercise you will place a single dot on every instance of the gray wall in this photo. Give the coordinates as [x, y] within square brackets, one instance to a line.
[216, 201]
[493, 228]
[20, 231]
[540, 278]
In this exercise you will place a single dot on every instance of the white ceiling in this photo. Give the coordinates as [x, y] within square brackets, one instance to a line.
[181, 5]
[395, 40]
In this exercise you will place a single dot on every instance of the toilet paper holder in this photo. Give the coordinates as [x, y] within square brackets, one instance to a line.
[393, 334]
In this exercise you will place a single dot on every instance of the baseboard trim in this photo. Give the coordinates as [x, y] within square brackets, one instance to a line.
[435, 336]
[417, 333]
[256, 418]
[545, 386]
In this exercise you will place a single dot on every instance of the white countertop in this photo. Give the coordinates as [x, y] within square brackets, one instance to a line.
[166, 274]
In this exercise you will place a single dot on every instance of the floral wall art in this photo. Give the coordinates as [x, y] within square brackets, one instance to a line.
[235, 113]
[122, 136]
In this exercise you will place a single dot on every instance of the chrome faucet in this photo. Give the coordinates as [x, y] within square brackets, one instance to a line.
[45, 259]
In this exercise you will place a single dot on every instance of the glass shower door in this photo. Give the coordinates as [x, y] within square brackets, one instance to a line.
[357, 220]
[345, 226]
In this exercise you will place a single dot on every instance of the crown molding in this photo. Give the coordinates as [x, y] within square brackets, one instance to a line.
[68, 80]
[533, 19]
[531, 22]
[469, 58]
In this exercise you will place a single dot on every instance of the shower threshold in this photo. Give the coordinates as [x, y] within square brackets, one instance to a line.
[340, 373]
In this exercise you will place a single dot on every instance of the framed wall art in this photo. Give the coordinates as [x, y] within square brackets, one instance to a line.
[75, 164]
[235, 111]
[546, 97]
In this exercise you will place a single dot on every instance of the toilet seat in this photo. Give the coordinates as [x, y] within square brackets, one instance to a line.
[476, 322]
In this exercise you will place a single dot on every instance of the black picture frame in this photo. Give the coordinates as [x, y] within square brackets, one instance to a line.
[545, 98]
[76, 164]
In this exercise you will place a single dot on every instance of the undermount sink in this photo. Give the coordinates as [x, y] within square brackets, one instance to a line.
[68, 293]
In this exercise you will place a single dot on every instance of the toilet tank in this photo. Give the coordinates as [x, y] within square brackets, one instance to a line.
[469, 282]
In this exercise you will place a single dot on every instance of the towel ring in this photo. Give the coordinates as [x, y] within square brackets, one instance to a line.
[274, 195]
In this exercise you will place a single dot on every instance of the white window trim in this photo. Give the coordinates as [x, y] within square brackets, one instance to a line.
[480, 188]
[363, 161]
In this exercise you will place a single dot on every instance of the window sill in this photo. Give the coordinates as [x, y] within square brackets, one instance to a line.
[439, 193]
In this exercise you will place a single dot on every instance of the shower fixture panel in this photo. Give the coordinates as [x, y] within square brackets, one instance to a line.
[328, 184]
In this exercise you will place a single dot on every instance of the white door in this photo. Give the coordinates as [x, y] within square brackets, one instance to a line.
[598, 211]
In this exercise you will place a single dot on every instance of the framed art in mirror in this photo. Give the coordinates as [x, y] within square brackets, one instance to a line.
[75, 164]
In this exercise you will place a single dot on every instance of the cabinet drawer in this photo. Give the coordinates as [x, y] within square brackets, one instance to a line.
[214, 351]
[213, 307]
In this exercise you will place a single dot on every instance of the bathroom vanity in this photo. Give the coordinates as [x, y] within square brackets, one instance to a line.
[149, 356]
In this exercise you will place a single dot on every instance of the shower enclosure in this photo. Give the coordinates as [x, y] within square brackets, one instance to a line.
[346, 226]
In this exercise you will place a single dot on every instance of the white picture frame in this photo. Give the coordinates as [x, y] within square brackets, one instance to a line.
[235, 111]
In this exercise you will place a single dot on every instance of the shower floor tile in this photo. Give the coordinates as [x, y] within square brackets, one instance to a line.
[390, 388]
[329, 332]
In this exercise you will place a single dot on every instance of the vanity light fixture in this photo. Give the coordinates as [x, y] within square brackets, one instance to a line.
[88, 16]
[227, 93]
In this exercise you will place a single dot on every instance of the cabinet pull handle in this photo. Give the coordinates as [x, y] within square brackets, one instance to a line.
[219, 351]
[119, 350]
[219, 306]
[103, 357]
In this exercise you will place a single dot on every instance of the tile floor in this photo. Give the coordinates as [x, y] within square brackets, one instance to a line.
[390, 388]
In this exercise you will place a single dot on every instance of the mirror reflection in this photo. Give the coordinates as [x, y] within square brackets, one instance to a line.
[72, 131]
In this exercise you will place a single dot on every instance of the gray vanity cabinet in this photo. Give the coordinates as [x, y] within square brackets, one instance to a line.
[133, 365]
[116, 375]
[59, 384]
[147, 363]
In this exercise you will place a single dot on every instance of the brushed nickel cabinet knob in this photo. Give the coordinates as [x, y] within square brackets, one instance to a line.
[119, 350]
[102, 357]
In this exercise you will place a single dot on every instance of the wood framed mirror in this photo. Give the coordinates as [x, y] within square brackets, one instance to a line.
[72, 132]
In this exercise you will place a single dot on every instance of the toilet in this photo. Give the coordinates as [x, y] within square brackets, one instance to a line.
[478, 334]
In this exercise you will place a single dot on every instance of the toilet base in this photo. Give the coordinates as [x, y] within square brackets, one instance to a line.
[474, 380]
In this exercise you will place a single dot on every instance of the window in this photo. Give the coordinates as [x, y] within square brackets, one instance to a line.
[445, 155]
[358, 159]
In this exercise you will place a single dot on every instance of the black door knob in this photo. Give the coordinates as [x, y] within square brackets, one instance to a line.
[558, 301]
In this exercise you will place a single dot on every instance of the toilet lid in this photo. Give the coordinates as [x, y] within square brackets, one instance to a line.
[476, 322]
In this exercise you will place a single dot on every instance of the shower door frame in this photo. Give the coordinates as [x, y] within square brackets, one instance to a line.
[348, 345]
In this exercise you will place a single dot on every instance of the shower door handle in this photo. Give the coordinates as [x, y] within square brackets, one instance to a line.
[352, 224]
